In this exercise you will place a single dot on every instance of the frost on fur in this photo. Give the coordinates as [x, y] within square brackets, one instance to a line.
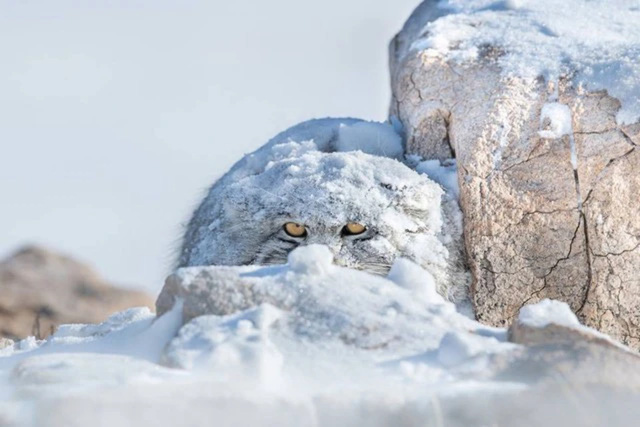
[324, 174]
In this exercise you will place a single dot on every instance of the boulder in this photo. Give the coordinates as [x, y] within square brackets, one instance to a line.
[41, 289]
[547, 155]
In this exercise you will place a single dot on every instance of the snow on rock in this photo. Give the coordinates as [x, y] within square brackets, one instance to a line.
[331, 346]
[550, 320]
[555, 120]
[598, 41]
[329, 302]
[546, 312]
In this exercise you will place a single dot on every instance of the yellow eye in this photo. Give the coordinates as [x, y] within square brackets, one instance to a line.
[353, 228]
[294, 229]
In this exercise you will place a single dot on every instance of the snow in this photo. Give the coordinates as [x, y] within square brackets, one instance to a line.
[547, 312]
[328, 340]
[411, 276]
[373, 138]
[555, 120]
[596, 43]
[455, 348]
[313, 259]
[444, 173]
[237, 347]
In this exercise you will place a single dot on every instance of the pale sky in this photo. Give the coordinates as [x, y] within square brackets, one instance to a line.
[116, 115]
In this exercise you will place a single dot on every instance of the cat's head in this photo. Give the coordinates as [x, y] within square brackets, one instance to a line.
[367, 209]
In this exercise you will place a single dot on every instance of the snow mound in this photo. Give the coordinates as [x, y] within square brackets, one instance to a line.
[372, 138]
[329, 303]
[597, 43]
[237, 347]
[308, 341]
[547, 312]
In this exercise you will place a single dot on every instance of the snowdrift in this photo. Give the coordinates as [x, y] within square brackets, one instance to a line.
[312, 343]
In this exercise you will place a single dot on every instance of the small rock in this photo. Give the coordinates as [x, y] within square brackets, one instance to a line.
[557, 353]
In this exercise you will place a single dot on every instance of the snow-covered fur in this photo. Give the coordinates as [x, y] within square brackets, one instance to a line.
[311, 175]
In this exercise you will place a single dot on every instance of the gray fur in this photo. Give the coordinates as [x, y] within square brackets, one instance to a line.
[240, 221]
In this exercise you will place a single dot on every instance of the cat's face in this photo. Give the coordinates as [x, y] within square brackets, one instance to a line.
[368, 210]
[354, 245]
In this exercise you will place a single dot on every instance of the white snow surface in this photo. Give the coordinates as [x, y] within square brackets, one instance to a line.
[334, 347]
[371, 138]
[547, 312]
[444, 173]
[596, 42]
[555, 120]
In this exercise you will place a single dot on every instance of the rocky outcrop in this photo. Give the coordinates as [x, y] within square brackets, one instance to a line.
[40, 290]
[548, 177]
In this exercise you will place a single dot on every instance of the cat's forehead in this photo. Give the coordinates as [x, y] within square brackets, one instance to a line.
[339, 170]
[333, 188]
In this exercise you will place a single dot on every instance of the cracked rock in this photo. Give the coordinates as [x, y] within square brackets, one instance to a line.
[546, 215]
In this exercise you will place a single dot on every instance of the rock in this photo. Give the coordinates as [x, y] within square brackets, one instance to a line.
[40, 289]
[558, 351]
[218, 291]
[556, 334]
[535, 228]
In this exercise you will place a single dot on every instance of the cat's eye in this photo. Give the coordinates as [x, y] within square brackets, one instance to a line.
[294, 229]
[353, 229]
